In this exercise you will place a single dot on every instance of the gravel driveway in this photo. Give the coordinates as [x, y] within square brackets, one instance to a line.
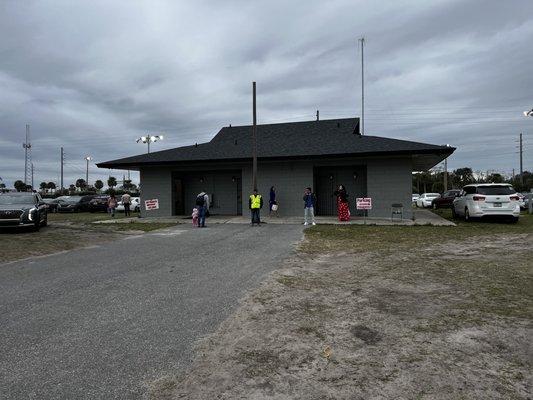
[103, 321]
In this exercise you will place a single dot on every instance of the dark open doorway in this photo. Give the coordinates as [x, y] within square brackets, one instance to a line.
[327, 179]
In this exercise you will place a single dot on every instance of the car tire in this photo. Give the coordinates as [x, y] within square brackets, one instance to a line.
[513, 220]
[37, 225]
[45, 222]
[467, 215]
[435, 206]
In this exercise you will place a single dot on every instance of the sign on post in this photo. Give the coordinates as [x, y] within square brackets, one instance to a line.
[363, 203]
[152, 204]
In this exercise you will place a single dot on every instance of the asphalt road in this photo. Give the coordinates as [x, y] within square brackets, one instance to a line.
[101, 322]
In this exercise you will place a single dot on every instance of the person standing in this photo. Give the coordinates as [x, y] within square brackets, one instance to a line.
[255, 203]
[309, 207]
[126, 201]
[343, 208]
[202, 203]
[272, 201]
[111, 205]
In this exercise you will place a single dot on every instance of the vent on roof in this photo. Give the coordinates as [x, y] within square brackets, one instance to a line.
[196, 145]
[338, 124]
[235, 142]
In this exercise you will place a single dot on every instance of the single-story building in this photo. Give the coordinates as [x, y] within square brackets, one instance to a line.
[291, 157]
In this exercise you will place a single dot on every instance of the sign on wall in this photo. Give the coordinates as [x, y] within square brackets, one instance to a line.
[152, 204]
[363, 203]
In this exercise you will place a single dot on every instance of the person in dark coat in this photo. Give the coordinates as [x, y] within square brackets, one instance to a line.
[343, 207]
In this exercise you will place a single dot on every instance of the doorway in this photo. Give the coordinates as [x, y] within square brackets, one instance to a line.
[327, 179]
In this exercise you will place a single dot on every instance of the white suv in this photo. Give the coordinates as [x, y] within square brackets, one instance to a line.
[426, 199]
[487, 199]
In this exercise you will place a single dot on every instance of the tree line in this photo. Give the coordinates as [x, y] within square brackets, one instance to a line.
[80, 186]
[430, 181]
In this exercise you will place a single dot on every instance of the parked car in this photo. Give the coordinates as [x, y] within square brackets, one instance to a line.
[98, 204]
[72, 204]
[23, 209]
[528, 197]
[446, 199]
[415, 197]
[487, 199]
[52, 203]
[134, 206]
[425, 199]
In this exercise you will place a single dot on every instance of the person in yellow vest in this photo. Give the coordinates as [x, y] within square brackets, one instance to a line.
[255, 203]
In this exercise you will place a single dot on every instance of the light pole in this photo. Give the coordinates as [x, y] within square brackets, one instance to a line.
[149, 139]
[88, 158]
[530, 203]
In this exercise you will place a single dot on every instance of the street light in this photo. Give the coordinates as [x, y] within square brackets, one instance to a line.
[88, 158]
[149, 139]
[528, 113]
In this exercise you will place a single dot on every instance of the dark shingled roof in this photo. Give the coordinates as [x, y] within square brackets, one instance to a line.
[327, 138]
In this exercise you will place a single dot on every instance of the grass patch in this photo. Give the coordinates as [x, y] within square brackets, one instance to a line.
[361, 238]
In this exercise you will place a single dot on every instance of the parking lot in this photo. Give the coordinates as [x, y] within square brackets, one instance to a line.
[66, 232]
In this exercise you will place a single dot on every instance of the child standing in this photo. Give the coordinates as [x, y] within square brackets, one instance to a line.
[309, 206]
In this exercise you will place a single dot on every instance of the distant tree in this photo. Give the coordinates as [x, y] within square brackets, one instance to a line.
[80, 183]
[112, 182]
[2, 185]
[72, 188]
[99, 184]
[51, 186]
[19, 186]
[28, 188]
[463, 176]
[495, 178]
[437, 187]
[43, 186]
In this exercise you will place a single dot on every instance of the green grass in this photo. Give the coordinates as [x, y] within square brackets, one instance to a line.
[84, 217]
[372, 237]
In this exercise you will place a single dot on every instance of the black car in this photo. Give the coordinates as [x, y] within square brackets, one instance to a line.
[53, 203]
[98, 204]
[23, 209]
[446, 199]
[75, 203]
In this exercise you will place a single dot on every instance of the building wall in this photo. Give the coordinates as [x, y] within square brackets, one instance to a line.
[156, 184]
[388, 181]
[289, 179]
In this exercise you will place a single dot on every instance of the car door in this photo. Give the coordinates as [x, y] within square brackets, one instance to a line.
[41, 206]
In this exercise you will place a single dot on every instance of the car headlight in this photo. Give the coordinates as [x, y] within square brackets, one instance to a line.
[31, 212]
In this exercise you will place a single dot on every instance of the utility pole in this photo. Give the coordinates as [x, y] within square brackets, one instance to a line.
[521, 165]
[88, 158]
[254, 141]
[27, 155]
[32, 175]
[62, 162]
[362, 41]
[446, 174]
[317, 115]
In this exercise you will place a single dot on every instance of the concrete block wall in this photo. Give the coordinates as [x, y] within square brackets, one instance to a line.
[389, 180]
[289, 178]
[156, 183]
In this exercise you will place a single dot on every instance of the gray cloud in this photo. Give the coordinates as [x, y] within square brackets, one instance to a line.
[93, 76]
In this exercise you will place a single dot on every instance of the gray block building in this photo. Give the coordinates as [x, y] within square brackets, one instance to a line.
[291, 156]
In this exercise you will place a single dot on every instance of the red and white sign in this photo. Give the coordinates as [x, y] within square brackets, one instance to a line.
[363, 203]
[151, 204]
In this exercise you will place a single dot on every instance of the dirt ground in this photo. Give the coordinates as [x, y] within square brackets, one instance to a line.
[379, 312]
[65, 232]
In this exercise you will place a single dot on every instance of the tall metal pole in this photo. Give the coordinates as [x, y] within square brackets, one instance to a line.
[27, 155]
[254, 142]
[446, 174]
[521, 165]
[62, 160]
[149, 138]
[362, 40]
[32, 175]
[87, 172]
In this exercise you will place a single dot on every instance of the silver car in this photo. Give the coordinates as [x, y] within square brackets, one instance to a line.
[487, 199]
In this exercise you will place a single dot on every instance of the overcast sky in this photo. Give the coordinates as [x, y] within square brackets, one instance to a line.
[92, 76]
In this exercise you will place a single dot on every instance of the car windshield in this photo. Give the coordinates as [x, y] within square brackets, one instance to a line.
[7, 199]
[432, 195]
[495, 190]
[72, 200]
